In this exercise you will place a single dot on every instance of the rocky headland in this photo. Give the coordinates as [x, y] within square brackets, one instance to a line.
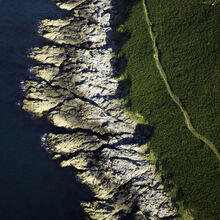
[75, 88]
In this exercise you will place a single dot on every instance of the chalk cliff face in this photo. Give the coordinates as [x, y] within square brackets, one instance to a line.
[76, 90]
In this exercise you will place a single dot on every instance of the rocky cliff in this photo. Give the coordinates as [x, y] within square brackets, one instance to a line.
[74, 87]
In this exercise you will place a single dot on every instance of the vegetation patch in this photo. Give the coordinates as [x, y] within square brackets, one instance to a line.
[188, 38]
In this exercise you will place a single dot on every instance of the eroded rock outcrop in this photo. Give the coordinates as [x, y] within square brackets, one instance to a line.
[76, 90]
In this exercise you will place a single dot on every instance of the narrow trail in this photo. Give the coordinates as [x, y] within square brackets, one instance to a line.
[172, 95]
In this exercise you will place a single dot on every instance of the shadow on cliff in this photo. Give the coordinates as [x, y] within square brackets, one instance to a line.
[117, 38]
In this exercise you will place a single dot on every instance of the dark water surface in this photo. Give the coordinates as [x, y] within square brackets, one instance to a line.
[31, 185]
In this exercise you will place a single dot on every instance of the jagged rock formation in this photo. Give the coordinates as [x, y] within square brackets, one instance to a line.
[76, 90]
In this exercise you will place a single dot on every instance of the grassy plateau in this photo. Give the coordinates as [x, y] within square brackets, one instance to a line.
[188, 34]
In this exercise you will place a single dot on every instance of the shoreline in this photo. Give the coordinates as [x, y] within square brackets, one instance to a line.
[76, 90]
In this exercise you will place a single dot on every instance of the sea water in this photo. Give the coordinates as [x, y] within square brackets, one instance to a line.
[32, 186]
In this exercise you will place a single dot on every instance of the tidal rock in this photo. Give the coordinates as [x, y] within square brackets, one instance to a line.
[75, 89]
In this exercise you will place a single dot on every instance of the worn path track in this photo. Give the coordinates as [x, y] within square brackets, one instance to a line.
[172, 95]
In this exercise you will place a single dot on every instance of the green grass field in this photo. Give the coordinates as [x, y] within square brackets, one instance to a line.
[188, 41]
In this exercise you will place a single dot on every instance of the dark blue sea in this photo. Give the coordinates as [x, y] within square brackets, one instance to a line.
[32, 186]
